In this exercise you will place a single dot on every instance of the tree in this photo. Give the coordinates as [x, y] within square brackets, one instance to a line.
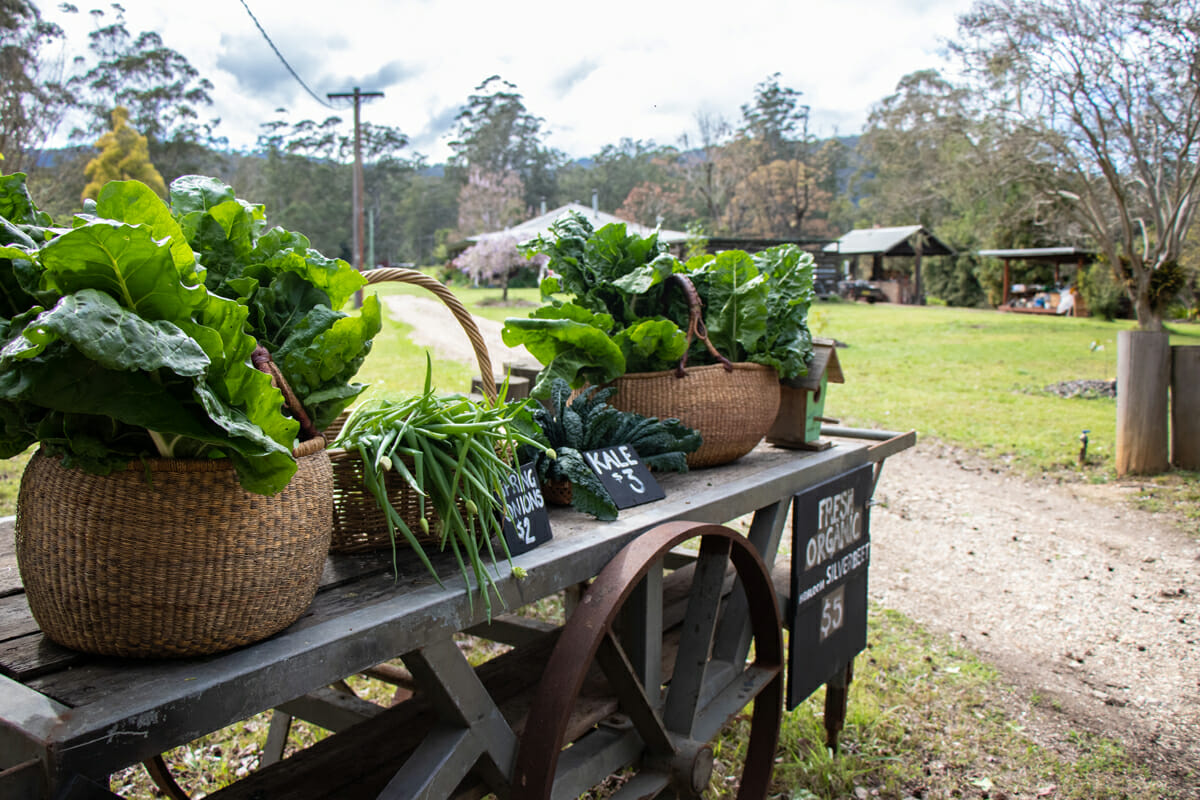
[164, 94]
[651, 204]
[773, 201]
[618, 168]
[497, 258]
[305, 183]
[776, 121]
[124, 155]
[778, 180]
[33, 98]
[497, 134]
[929, 156]
[917, 144]
[712, 167]
[490, 202]
[1108, 92]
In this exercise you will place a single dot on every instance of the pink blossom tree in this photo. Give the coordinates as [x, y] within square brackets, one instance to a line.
[495, 260]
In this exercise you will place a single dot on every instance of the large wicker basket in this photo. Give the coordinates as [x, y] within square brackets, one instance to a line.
[733, 405]
[358, 522]
[170, 557]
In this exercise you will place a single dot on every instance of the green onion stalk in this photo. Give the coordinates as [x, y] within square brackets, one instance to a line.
[459, 450]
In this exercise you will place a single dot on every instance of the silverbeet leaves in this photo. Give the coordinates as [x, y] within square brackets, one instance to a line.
[118, 343]
[619, 317]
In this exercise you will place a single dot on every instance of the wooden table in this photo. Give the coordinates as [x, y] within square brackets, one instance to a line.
[69, 720]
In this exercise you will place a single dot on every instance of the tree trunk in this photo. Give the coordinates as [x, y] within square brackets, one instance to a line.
[1185, 407]
[1143, 373]
[1148, 318]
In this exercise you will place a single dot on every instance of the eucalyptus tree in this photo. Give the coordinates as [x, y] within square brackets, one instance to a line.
[1108, 92]
[305, 181]
[165, 95]
[497, 134]
[778, 121]
[785, 184]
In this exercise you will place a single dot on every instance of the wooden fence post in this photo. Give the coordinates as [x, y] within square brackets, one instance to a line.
[1143, 375]
[1185, 406]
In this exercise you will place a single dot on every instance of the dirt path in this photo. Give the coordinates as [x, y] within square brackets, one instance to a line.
[1074, 597]
[436, 328]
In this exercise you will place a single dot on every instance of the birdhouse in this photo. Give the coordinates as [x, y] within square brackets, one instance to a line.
[802, 401]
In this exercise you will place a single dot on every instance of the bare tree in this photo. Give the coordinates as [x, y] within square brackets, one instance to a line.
[1108, 91]
[33, 97]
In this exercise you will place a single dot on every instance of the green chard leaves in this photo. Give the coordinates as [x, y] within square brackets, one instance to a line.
[619, 315]
[129, 334]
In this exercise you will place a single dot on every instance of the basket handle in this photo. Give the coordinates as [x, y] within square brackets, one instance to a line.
[401, 275]
[262, 361]
[695, 324]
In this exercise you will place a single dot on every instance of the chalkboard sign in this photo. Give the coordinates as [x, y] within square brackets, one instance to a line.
[831, 549]
[627, 479]
[526, 523]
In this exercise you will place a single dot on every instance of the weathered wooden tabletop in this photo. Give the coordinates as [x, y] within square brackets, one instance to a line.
[90, 715]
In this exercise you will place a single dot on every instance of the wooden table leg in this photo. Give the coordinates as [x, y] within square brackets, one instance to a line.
[836, 693]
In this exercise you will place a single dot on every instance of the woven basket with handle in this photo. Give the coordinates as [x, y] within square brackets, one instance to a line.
[170, 557]
[358, 522]
[733, 405]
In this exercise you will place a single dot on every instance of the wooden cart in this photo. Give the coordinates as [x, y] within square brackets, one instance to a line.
[645, 672]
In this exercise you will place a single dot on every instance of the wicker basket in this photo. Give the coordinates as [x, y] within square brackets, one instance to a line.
[733, 405]
[170, 557]
[358, 522]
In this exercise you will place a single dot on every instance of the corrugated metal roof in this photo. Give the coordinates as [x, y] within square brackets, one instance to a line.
[1059, 254]
[889, 242]
[532, 228]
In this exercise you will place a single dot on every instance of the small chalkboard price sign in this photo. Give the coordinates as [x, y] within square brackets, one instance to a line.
[627, 479]
[831, 549]
[526, 523]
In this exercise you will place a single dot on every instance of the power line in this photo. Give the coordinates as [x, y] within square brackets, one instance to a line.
[283, 60]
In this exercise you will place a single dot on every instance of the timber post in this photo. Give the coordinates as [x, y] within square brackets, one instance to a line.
[1185, 406]
[1143, 375]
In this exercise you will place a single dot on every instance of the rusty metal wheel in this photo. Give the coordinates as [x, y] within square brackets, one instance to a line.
[673, 699]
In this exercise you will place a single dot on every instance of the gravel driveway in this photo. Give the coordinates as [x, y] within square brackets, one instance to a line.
[1075, 597]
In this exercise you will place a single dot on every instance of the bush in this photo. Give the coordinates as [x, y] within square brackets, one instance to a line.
[1101, 291]
[952, 280]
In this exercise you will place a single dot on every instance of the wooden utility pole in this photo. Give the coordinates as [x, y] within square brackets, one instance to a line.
[357, 184]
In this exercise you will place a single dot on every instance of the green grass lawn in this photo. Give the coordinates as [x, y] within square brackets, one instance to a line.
[977, 378]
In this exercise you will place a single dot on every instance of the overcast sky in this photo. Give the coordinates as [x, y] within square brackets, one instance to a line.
[596, 73]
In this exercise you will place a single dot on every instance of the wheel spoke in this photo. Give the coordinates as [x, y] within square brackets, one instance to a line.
[631, 695]
[731, 699]
[641, 631]
[695, 644]
[644, 785]
[593, 758]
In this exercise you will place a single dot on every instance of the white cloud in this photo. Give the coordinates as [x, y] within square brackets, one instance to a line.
[635, 68]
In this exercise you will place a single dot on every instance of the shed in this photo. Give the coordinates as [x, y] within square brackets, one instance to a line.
[912, 241]
[1057, 256]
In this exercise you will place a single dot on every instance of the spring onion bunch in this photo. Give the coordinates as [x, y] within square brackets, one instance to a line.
[455, 454]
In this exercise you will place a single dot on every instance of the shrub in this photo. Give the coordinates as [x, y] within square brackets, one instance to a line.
[1101, 291]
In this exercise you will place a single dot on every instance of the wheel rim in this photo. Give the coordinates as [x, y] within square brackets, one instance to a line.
[668, 737]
